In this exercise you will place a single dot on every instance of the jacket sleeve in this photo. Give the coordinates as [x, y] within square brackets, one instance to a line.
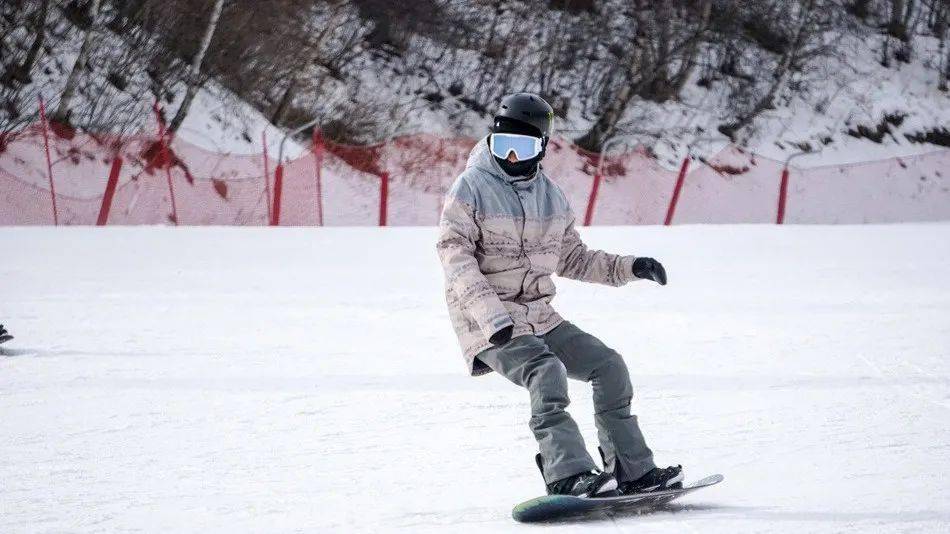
[580, 263]
[458, 233]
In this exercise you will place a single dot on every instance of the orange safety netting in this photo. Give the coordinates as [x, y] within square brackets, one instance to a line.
[402, 182]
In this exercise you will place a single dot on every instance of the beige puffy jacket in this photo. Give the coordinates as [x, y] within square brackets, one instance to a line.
[500, 239]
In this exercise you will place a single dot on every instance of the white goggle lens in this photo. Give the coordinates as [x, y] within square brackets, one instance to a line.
[523, 146]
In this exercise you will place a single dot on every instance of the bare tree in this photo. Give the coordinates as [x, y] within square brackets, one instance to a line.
[654, 65]
[895, 25]
[860, 8]
[811, 22]
[688, 65]
[21, 72]
[941, 10]
[72, 82]
[193, 79]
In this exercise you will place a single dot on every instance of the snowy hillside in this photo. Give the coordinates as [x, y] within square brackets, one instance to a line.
[853, 110]
[307, 380]
[860, 84]
[844, 108]
[118, 91]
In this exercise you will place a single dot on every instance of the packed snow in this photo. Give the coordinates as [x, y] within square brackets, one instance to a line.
[308, 380]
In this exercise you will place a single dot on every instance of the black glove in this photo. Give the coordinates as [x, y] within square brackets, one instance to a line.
[649, 269]
[502, 336]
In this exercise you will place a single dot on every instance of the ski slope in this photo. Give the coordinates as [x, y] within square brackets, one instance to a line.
[308, 380]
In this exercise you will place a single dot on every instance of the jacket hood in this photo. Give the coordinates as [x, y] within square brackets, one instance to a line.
[481, 158]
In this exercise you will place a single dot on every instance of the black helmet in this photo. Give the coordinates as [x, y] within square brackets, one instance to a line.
[529, 109]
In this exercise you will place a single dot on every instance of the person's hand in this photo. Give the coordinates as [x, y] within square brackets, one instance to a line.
[502, 336]
[649, 269]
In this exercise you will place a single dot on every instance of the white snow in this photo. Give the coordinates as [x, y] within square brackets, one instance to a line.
[307, 380]
[837, 94]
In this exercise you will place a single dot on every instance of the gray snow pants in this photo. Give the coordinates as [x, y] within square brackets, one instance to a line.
[542, 364]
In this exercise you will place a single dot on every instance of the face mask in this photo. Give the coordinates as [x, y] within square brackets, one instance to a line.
[519, 168]
[524, 147]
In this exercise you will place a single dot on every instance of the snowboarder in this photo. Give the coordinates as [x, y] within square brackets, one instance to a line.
[4, 335]
[505, 228]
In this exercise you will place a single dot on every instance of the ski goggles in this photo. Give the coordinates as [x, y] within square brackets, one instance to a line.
[524, 146]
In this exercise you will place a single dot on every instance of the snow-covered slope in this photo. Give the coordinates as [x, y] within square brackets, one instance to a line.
[845, 107]
[304, 380]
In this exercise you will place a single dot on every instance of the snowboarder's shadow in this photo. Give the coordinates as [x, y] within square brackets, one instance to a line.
[609, 515]
[16, 352]
[749, 512]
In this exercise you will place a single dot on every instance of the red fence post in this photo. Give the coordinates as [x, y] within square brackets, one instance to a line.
[592, 199]
[168, 175]
[110, 191]
[782, 197]
[164, 157]
[266, 173]
[318, 164]
[49, 161]
[676, 191]
[383, 197]
[278, 191]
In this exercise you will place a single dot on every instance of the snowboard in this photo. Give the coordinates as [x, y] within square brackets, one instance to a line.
[555, 507]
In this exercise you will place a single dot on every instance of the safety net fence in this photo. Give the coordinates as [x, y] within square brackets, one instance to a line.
[51, 175]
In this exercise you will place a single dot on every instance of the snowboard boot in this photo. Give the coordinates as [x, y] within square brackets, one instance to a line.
[4, 335]
[587, 484]
[655, 480]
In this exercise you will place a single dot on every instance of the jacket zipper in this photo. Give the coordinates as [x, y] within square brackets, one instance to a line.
[524, 223]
